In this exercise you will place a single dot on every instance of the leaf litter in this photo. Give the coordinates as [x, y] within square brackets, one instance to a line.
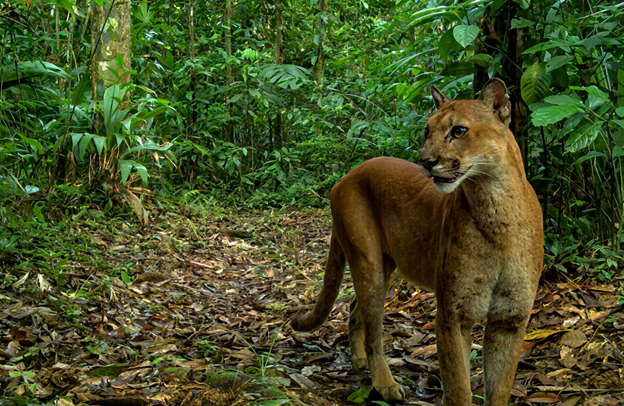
[194, 310]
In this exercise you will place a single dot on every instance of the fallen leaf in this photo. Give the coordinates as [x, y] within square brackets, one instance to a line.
[573, 339]
[541, 334]
[303, 381]
[570, 401]
[430, 349]
[541, 397]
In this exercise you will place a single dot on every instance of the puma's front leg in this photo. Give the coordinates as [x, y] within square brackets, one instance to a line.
[454, 341]
[501, 349]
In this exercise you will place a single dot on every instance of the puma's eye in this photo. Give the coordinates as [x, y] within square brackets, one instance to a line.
[459, 131]
[426, 134]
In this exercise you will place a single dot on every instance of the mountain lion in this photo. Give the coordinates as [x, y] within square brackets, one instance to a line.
[464, 223]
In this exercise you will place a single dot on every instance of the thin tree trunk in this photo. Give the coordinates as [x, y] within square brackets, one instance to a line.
[277, 58]
[57, 18]
[191, 18]
[229, 79]
[320, 55]
[109, 41]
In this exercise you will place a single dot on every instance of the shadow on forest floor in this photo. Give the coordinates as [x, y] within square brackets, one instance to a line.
[203, 322]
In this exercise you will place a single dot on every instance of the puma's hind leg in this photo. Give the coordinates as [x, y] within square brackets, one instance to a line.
[367, 325]
[357, 337]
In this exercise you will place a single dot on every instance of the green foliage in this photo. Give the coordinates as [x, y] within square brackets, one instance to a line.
[351, 82]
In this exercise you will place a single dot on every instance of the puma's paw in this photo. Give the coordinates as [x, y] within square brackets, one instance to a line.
[359, 363]
[393, 393]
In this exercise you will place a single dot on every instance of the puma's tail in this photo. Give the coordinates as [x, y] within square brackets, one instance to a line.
[334, 270]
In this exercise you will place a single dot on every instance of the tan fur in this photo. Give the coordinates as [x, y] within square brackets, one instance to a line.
[479, 246]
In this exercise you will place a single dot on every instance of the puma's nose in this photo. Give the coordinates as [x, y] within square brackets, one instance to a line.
[428, 163]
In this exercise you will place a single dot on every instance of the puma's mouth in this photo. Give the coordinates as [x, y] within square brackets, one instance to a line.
[451, 179]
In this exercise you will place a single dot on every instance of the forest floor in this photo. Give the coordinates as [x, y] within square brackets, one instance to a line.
[194, 310]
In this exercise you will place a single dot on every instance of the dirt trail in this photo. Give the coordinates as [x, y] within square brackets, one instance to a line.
[202, 323]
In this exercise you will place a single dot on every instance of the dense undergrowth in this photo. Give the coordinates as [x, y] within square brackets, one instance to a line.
[240, 128]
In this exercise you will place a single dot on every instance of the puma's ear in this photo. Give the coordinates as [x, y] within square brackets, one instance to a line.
[438, 97]
[494, 95]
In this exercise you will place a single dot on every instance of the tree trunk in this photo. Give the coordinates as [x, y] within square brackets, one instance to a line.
[191, 20]
[229, 79]
[110, 38]
[320, 55]
[279, 60]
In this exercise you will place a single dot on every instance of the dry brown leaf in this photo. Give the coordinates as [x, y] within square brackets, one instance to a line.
[161, 349]
[573, 339]
[430, 349]
[137, 207]
[542, 397]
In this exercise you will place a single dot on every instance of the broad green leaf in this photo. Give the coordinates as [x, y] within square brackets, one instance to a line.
[31, 189]
[100, 143]
[38, 214]
[482, 60]
[236, 98]
[540, 47]
[125, 167]
[126, 278]
[620, 111]
[521, 23]
[551, 43]
[593, 90]
[93, 350]
[562, 99]
[142, 170]
[589, 155]
[618, 122]
[83, 145]
[617, 152]
[465, 34]
[557, 62]
[108, 370]
[572, 123]
[28, 69]
[76, 137]
[80, 89]
[524, 4]
[447, 43]
[582, 137]
[534, 84]
[33, 143]
[430, 14]
[359, 396]
[110, 106]
[596, 96]
[400, 87]
[552, 114]
[475, 14]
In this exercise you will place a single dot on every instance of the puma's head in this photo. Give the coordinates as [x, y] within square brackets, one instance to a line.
[465, 138]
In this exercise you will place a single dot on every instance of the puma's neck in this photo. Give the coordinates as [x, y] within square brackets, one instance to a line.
[495, 201]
